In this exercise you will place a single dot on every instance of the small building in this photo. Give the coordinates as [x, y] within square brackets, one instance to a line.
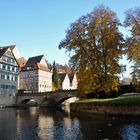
[9, 72]
[73, 80]
[35, 76]
[64, 81]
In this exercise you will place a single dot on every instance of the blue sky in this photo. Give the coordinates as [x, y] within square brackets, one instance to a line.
[37, 26]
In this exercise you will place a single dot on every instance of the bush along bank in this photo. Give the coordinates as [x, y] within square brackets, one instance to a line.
[115, 106]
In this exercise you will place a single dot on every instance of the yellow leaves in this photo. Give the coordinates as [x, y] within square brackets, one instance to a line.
[94, 41]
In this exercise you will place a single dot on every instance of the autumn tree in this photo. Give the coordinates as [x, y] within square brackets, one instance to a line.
[95, 46]
[55, 78]
[132, 23]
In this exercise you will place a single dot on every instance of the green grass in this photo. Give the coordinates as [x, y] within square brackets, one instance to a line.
[117, 101]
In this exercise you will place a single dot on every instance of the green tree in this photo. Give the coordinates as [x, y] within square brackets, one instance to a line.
[132, 23]
[55, 78]
[95, 46]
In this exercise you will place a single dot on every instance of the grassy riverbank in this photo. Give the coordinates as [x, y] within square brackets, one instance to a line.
[126, 100]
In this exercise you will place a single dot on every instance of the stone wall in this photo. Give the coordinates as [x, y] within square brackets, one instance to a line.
[106, 109]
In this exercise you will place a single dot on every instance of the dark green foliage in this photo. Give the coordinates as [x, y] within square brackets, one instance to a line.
[55, 78]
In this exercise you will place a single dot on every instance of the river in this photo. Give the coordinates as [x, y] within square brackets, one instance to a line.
[47, 124]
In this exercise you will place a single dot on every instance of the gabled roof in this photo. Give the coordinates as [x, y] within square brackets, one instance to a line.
[34, 60]
[71, 76]
[34, 64]
[62, 77]
[42, 67]
[10, 46]
[2, 51]
[5, 48]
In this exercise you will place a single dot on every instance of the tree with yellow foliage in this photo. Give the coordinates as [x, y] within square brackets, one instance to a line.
[94, 43]
[132, 22]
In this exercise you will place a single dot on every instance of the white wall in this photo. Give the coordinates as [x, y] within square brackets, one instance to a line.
[66, 83]
[44, 81]
[74, 82]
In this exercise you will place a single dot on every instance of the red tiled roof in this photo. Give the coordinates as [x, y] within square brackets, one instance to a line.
[34, 64]
[34, 60]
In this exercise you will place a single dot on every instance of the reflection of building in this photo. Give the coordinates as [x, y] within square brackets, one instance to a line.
[8, 76]
[45, 123]
[35, 75]
[68, 81]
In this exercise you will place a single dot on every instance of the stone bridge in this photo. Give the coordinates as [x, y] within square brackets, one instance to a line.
[46, 98]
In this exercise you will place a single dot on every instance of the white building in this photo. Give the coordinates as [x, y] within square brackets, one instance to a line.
[14, 49]
[8, 76]
[35, 75]
[73, 81]
[68, 81]
[64, 81]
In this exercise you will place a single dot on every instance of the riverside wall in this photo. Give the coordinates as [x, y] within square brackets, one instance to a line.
[105, 109]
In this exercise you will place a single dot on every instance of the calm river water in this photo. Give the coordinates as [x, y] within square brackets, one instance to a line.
[43, 124]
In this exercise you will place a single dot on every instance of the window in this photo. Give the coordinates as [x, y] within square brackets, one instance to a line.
[12, 78]
[13, 61]
[2, 76]
[8, 60]
[3, 86]
[3, 67]
[16, 78]
[8, 68]
[8, 77]
[13, 68]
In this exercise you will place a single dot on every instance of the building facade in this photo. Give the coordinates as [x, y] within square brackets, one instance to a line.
[73, 81]
[35, 75]
[9, 72]
[68, 81]
[64, 81]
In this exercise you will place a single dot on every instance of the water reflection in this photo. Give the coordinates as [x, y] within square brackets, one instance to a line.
[45, 128]
[130, 132]
[43, 124]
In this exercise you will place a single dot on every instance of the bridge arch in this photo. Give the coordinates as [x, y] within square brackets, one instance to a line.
[47, 98]
[28, 101]
[24, 99]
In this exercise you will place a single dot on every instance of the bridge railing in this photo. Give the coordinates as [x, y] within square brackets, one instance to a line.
[25, 92]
